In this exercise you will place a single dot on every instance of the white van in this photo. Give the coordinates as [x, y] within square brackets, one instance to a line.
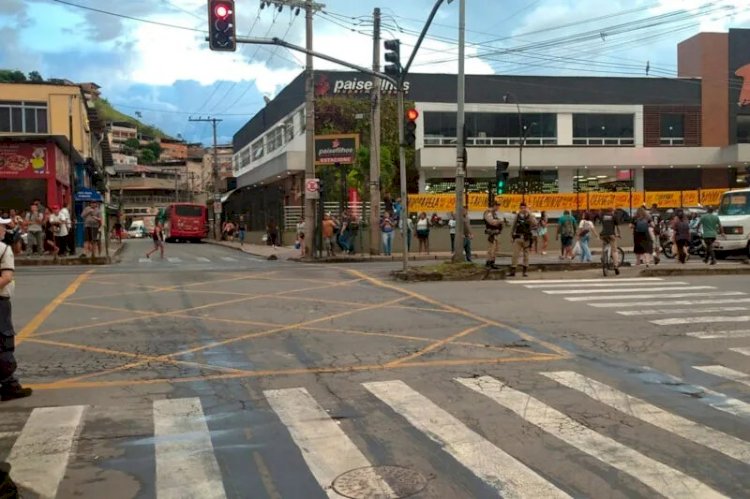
[137, 229]
[734, 213]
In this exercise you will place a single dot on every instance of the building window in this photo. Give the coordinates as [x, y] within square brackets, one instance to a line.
[289, 130]
[603, 129]
[258, 149]
[23, 117]
[492, 129]
[672, 128]
[275, 139]
[302, 121]
[743, 129]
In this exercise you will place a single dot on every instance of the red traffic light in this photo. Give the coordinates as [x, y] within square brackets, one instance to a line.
[412, 114]
[222, 11]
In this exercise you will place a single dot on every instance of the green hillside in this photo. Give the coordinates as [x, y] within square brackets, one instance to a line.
[109, 113]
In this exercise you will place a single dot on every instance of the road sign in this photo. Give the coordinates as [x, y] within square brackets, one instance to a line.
[312, 188]
[217, 196]
[217, 207]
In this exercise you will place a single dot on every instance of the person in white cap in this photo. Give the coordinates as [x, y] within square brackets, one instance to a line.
[10, 388]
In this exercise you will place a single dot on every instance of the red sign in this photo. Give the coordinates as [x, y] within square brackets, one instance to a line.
[20, 160]
[744, 73]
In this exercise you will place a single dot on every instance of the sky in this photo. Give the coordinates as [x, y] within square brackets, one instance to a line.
[159, 65]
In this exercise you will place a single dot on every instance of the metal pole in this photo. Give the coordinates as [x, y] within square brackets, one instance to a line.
[72, 237]
[460, 131]
[402, 173]
[521, 175]
[375, 141]
[309, 129]
[215, 173]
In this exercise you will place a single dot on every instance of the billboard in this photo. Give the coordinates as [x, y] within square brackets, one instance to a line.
[336, 149]
[22, 160]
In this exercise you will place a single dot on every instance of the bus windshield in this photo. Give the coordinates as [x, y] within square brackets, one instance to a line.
[188, 211]
[735, 203]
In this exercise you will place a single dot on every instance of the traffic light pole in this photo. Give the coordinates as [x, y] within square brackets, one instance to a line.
[402, 175]
[460, 139]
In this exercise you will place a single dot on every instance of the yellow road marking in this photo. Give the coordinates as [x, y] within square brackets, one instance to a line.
[30, 328]
[558, 350]
[265, 476]
[436, 345]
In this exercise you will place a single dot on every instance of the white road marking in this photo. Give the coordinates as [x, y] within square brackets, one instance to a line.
[743, 351]
[608, 284]
[185, 463]
[657, 311]
[508, 476]
[202, 259]
[640, 409]
[670, 303]
[144, 260]
[725, 372]
[323, 444]
[711, 335]
[41, 454]
[700, 320]
[228, 259]
[555, 281]
[623, 290]
[658, 296]
[174, 259]
[660, 477]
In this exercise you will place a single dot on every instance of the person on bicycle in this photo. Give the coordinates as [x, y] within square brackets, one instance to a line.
[609, 234]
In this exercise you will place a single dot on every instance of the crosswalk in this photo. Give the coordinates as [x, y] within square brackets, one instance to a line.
[187, 462]
[669, 305]
[176, 260]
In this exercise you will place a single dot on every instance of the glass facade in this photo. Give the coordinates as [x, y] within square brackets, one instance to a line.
[603, 129]
[491, 129]
[672, 126]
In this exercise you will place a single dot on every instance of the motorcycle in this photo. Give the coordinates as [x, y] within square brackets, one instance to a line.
[695, 248]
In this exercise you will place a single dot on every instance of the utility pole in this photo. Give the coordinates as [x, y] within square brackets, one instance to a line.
[214, 169]
[461, 135]
[375, 141]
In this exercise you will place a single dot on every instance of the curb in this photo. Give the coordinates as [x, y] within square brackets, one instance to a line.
[239, 248]
[716, 270]
[483, 274]
[72, 261]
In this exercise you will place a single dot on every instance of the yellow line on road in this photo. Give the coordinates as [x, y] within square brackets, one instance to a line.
[435, 345]
[265, 477]
[30, 328]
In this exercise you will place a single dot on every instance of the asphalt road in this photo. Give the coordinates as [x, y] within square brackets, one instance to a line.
[215, 374]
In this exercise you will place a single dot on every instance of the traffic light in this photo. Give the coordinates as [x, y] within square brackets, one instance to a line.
[222, 34]
[393, 55]
[410, 127]
[501, 176]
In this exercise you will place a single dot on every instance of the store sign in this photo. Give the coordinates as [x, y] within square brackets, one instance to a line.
[353, 86]
[86, 194]
[20, 160]
[332, 149]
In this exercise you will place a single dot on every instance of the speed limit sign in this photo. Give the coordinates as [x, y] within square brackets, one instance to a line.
[312, 188]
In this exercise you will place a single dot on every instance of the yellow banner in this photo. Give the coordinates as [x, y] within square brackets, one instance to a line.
[445, 203]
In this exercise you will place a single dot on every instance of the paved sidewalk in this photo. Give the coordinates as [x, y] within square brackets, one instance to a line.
[115, 249]
[261, 250]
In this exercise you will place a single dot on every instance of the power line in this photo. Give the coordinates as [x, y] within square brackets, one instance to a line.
[124, 16]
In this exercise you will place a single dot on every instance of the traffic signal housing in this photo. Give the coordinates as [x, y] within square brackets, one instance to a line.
[410, 127]
[501, 176]
[393, 56]
[222, 30]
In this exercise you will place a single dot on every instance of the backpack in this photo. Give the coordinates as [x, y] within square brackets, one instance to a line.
[641, 226]
[568, 229]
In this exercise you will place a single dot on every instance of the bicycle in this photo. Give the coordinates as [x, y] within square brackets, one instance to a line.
[608, 263]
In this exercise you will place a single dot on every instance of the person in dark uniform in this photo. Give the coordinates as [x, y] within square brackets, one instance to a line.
[10, 388]
[523, 230]
[493, 226]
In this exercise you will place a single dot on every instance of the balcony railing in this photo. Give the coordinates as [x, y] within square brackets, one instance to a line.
[672, 141]
[490, 141]
[603, 141]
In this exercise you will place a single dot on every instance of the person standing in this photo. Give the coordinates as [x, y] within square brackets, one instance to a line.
[681, 228]
[642, 240]
[542, 232]
[452, 230]
[423, 232]
[10, 388]
[386, 226]
[493, 226]
[468, 235]
[566, 232]
[712, 228]
[328, 228]
[523, 229]
[34, 230]
[91, 222]
[158, 236]
[272, 233]
[241, 231]
[609, 235]
[585, 231]
[70, 242]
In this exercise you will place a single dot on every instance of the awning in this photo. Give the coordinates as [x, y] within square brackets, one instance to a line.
[226, 195]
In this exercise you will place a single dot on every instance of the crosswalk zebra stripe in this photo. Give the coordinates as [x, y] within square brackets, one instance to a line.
[743, 351]
[228, 259]
[325, 447]
[640, 409]
[556, 281]
[660, 477]
[622, 290]
[40, 455]
[612, 284]
[657, 296]
[508, 476]
[174, 259]
[185, 462]
[676, 321]
[712, 335]
[727, 373]
[657, 311]
[144, 260]
[670, 303]
[202, 259]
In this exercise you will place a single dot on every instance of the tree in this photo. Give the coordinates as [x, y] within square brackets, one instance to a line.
[35, 76]
[147, 156]
[131, 146]
[11, 76]
[155, 149]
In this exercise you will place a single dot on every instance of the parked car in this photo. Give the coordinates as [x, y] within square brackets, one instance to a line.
[137, 229]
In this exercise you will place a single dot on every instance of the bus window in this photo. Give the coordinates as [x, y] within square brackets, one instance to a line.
[188, 211]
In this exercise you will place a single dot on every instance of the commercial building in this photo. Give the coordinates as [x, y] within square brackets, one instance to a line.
[559, 134]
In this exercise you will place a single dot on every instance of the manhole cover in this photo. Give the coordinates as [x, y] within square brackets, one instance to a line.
[379, 482]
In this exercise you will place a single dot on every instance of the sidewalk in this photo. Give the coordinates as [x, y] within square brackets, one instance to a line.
[261, 250]
[115, 249]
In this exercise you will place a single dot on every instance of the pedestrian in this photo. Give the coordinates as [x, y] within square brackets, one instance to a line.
[452, 230]
[49, 234]
[34, 223]
[642, 239]
[493, 226]
[349, 231]
[681, 228]
[10, 388]
[566, 232]
[272, 233]
[521, 234]
[386, 227]
[300, 232]
[158, 237]
[241, 231]
[609, 235]
[542, 232]
[409, 231]
[58, 225]
[329, 228]
[585, 231]
[423, 232]
[468, 235]
[91, 222]
[711, 226]
[15, 230]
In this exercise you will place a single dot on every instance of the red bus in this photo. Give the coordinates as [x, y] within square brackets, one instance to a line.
[185, 222]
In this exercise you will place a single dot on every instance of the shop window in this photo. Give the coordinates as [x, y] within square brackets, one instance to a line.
[258, 149]
[672, 128]
[603, 129]
[491, 129]
[23, 117]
